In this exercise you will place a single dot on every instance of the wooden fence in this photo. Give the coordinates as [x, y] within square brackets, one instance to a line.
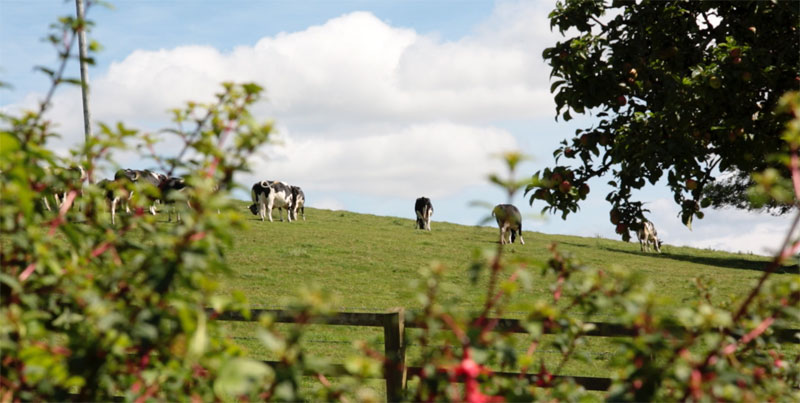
[394, 324]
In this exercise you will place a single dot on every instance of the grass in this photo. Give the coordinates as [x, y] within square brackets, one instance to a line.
[367, 263]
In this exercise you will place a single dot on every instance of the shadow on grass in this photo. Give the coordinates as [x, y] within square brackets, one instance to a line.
[725, 262]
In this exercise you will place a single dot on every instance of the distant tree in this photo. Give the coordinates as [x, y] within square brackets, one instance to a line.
[682, 89]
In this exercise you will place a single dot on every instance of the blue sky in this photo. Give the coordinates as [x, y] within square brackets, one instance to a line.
[376, 102]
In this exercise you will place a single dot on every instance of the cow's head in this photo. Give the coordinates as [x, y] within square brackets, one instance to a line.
[253, 208]
[174, 183]
[126, 173]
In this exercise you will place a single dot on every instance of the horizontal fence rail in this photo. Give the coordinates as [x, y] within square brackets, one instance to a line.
[395, 322]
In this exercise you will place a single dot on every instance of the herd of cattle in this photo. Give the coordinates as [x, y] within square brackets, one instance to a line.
[268, 195]
[509, 220]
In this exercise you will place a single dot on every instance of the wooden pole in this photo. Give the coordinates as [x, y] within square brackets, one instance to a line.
[394, 349]
[83, 51]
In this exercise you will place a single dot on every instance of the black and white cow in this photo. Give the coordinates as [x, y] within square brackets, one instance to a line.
[268, 195]
[74, 178]
[509, 220]
[298, 203]
[647, 235]
[114, 193]
[170, 187]
[121, 194]
[424, 210]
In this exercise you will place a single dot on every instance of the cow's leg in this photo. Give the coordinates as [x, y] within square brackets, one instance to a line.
[128, 202]
[521, 241]
[269, 210]
[428, 220]
[303, 212]
[114, 202]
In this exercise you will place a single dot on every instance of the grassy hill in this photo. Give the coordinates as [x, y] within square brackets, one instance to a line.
[367, 263]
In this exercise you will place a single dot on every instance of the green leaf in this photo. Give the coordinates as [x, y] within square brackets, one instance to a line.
[45, 70]
[556, 85]
[241, 376]
[8, 144]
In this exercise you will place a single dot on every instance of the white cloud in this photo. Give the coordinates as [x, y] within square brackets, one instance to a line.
[434, 158]
[352, 69]
[328, 203]
[728, 229]
[364, 106]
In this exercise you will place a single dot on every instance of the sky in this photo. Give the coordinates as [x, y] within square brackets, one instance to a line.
[375, 103]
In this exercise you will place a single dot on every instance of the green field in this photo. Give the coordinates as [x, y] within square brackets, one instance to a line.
[367, 263]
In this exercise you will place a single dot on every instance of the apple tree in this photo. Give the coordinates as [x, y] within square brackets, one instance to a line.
[682, 90]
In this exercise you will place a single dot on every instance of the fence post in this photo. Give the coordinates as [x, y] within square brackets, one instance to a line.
[395, 351]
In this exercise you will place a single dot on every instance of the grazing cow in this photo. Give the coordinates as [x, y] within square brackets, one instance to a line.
[268, 195]
[121, 194]
[72, 176]
[647, 235]
[424, 210]
[169, 188]
[114, 194]
[298, 203]
[509, 220]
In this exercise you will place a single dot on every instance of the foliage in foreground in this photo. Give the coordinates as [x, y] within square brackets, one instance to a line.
[91, 310]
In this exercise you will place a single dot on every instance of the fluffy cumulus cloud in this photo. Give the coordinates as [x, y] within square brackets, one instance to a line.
[365, 106]
[435, 159]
